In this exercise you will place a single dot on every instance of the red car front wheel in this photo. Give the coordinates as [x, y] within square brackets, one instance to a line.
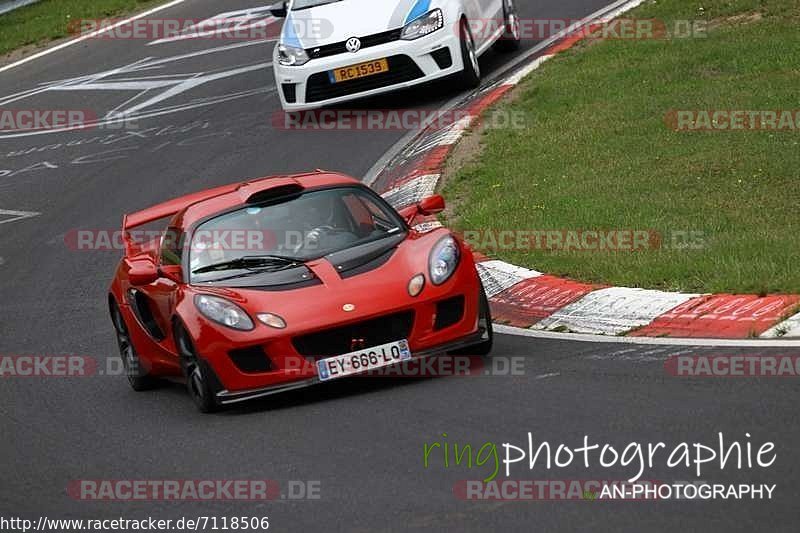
[484, 347]
[201, 382]
[137, 377]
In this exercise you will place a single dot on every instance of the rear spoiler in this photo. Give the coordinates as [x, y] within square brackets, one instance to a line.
[173, 207]
[166, 209]
[253, 191]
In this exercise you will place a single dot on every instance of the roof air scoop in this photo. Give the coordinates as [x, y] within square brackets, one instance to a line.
[260, 197]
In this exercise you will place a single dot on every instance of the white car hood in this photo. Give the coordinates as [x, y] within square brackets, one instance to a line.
[339, 21]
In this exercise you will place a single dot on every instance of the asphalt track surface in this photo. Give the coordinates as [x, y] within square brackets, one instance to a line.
[361, 440]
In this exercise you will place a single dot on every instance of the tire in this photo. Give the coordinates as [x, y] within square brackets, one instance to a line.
[512, 38]
[470, 77]
[138, 379]
[201, 382]
[485, 325]
[483, 348]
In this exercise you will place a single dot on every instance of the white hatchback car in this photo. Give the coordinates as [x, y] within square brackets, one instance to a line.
[331, 51]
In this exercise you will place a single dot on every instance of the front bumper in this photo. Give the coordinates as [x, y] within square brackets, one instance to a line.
[411, 63]
[275, 360]
[227, 397]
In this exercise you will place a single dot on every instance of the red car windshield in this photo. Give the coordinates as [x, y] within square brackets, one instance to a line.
[289, 231]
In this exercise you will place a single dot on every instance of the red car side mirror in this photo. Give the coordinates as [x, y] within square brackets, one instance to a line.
[431, 205]
[142, 272]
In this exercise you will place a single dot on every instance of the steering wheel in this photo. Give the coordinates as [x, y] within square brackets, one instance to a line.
[313, 237]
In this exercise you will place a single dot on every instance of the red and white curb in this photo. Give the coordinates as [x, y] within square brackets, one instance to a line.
[532, 300]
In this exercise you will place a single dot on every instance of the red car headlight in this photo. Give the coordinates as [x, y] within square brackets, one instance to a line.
[223, 312]
[444, 259]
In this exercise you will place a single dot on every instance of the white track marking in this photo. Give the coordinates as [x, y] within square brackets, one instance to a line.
[412, 191]
[581, 337]
[15, 215]
[614, 310]
[456, 131]
[193, 104]
[426, 227]
[245, 19]
[787, 329]
[498, 276]
[15, 4]
[535, 64]
[151, 90]
[90, 35]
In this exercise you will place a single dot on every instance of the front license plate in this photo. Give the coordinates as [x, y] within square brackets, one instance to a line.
[363, 360]
[361, 70]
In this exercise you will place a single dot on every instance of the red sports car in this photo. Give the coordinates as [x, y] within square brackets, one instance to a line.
[282, 282]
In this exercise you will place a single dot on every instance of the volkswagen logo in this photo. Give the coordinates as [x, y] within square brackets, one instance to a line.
[353, 44]
[348, 308]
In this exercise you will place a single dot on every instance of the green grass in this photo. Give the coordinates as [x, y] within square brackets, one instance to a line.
[39, 23]
[596, 154]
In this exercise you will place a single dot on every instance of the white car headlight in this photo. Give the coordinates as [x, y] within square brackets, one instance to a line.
[443, 260]
[223, 312]
[291, 55]
[424, 25]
